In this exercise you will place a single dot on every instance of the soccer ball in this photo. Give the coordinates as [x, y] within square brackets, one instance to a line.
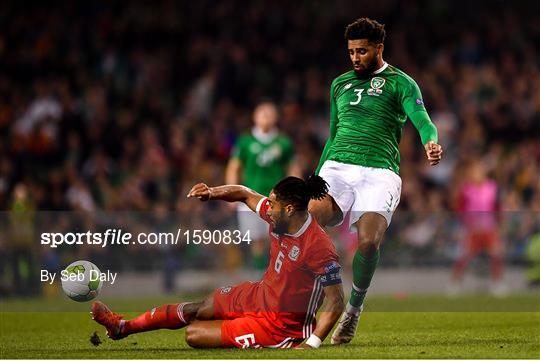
[81, 281]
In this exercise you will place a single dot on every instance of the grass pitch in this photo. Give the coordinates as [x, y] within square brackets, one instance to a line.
[413, 327]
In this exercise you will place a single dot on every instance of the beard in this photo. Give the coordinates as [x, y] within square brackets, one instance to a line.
[281, 227]
[371, 67]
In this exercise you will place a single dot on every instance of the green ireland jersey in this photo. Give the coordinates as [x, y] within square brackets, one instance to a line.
[367, 116]
[264, 161]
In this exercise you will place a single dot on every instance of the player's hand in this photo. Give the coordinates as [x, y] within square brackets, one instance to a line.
[201, 191]
[303, 346]
[433, 152]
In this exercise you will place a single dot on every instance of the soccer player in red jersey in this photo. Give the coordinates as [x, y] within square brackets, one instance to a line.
[279, 310]
[477, 203]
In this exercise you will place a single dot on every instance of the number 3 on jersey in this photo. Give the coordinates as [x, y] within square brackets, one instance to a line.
[279, 261]
[359, 95]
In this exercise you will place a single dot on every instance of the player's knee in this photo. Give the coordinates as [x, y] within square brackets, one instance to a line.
[317, 209]
[369, 240]
[325, 211]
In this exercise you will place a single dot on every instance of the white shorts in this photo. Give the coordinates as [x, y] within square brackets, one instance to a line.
[249, 220]
[361, 189]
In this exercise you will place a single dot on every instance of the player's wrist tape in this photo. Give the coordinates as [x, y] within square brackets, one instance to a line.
[313, 341]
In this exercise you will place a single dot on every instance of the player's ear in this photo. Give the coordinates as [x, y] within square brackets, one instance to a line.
[289, 209]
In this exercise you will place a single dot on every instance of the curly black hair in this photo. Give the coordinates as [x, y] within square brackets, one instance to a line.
[298, 192]
[365, 28]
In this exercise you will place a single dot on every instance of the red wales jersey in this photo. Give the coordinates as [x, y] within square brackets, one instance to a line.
[301, 264]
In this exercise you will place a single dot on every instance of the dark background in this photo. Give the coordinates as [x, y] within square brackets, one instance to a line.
[123, 106]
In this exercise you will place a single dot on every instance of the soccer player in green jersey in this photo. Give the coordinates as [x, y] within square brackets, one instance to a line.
[368, 109]
[259, 160]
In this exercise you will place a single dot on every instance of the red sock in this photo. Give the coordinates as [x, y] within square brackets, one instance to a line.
[496, 268]
[459, 267]
[166, 316]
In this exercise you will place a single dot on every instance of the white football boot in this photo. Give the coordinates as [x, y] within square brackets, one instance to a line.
[346, 328]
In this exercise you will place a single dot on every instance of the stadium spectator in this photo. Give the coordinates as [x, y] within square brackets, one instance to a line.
[120, 106]
[259, 160]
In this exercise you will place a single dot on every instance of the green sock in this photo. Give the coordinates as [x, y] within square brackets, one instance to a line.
[363, 270]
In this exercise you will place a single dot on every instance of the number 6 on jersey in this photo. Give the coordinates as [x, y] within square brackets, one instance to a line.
[279, 261]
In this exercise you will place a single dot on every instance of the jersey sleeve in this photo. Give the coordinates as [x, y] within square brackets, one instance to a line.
[262, 209]
[324, 262]
[288, 150]
[413, 106]
[238, 149]
[333, 128]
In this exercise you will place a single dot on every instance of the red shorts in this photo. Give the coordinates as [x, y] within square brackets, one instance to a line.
[243, 326]
[477, 241]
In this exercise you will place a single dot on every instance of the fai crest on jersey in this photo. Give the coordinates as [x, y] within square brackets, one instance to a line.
[225, 290]
[293, 254]
[255, 148]
[377, 82]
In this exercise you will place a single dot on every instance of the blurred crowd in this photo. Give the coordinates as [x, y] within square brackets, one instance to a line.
[123, 106]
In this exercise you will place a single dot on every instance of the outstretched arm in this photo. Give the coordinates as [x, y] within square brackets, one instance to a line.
[331, 309]
[229, 193]
[429, 136]
[413, 105]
